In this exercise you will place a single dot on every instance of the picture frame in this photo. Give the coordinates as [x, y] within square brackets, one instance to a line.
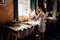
[2, 2]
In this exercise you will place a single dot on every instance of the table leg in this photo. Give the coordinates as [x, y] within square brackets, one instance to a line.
[8, 36]
[15, 38]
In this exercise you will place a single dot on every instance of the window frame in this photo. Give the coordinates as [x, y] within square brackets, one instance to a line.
[2, 2]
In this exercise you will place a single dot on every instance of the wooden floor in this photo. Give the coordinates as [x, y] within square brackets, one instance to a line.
[31, 37]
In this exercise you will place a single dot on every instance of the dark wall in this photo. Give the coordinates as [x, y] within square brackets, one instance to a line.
[49, 5]
[16, 9]
[33, 4]
[40, 3]
[58, 9]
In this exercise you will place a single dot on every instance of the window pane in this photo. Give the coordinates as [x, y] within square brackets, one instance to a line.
[26, 9]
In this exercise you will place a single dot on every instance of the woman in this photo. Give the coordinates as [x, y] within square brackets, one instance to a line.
[41, 18]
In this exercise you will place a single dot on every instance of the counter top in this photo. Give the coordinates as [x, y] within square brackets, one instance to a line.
[25, 25]
[21, 27]
[34, 22]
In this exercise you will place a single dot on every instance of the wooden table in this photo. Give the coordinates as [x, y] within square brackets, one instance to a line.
[20, 32]
[23, 30]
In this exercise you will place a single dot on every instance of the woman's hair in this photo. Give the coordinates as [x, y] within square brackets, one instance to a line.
[42, 8]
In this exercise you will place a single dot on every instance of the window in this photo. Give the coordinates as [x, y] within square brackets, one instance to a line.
[23, 8]
[26, 9]
[2, 2]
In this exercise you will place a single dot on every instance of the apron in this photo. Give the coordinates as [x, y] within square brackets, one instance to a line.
[42, 25]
